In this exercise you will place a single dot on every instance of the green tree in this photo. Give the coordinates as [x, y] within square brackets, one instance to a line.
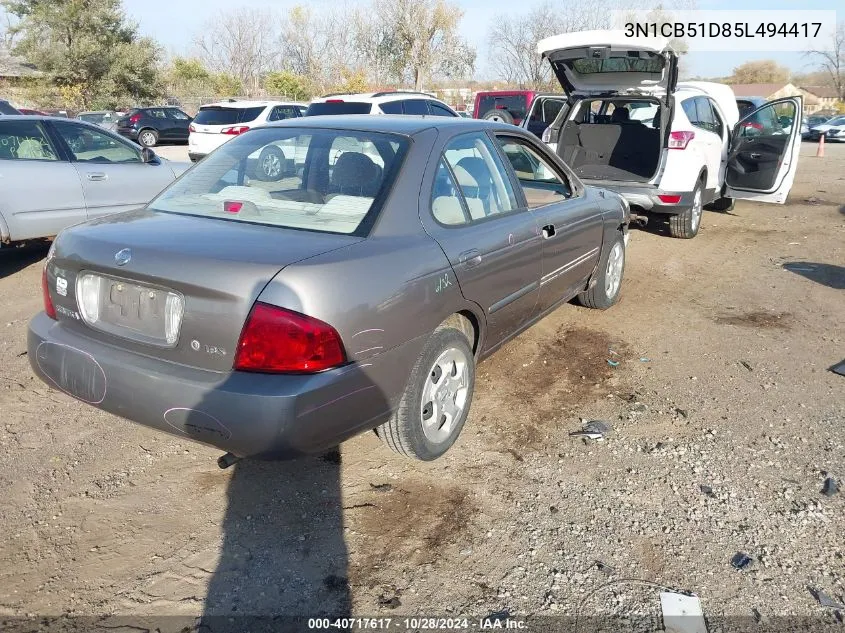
[227, 85]
[87, 47]
[288, 84]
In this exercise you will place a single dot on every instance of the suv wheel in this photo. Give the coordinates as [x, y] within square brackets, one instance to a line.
[437, 399]
[271, 164]
[147, 138]
[685, 225]
[502, 116]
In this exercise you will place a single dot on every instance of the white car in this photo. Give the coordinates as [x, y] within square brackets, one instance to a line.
[216, 123]
[666, 147]
[833, 130]
[390, 102]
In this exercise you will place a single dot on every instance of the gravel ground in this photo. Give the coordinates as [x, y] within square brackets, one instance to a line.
[725, 423]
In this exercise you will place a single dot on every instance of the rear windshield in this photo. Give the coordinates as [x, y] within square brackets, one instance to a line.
[5, 108]
[517, 105]
[220, 115]
[300, 178]
[587, 66]
[338, 107]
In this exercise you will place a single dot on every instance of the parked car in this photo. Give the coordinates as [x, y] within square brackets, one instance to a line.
[104, 118]
[151, 126]
[809, 122]
[530, 109]
[832, 129]
[542, 113]
[692, 149]
[7, 108]
[217, 123]
[278, 320]
[749, 104]
[33, 112]
[389, 102]
[57, 172]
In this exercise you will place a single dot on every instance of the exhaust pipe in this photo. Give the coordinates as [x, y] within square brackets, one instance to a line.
[229, 459]
[639, 220]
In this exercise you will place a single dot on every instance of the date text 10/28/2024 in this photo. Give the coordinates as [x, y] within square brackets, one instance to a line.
[491, 623]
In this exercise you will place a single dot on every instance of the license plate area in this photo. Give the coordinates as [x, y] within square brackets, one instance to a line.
[140, 312]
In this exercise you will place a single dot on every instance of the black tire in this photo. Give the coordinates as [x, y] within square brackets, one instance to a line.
[723, 205]
[502, 116]
[404, 432]
[272, 164]
[685, 225]
[597, 295]
[148, 137]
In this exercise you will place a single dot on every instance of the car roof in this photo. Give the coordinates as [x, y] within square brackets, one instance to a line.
[247, 104]
[378, 97]
[404, 124]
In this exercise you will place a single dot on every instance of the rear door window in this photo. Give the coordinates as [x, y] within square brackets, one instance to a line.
[338, 107]
[156, 113]
[177, 114]
[280, 113]
[25, 140]
[438, 110]
[416, 106]
[541, 183]
[392, 107]
[219, 115]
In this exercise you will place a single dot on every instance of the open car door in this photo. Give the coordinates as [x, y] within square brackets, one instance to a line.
[764, 151]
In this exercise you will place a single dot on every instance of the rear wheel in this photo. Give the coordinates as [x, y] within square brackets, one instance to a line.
[685, 225]
[271, 164]
[437, 399]
[606, 289]
[502, 116]
[147, 138]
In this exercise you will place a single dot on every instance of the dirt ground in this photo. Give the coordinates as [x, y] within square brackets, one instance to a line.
[723, 345]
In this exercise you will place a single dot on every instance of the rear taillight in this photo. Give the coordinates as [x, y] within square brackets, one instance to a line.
[669, 198]
[134, 118]
[275, 340]
[191, 128]
[49, 308]
[334, 100]
[232, 206]
[235, 130]
[680, 140]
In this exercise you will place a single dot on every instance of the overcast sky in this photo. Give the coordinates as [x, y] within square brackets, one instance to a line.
[174, 23]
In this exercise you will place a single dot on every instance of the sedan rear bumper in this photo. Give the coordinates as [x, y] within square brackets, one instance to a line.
[251, 415]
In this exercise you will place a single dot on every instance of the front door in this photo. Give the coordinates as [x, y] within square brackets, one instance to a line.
[179, 122]
[493, 244]
[569, 222]
[113, 176]
[764, 151]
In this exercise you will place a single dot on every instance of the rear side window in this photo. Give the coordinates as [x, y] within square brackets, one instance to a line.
[280, 113]
[416, 106]
[338, 107]
[438, 110]
[392, 107]
[541, 183]
[330, 181]
[156, 113]
[218, 115]
[25, 140]
[516, 105]
[177, 114]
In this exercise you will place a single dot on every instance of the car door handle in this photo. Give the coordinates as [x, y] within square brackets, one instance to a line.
[96, 175]
[470, 258]
[548, 231]
[755, 155]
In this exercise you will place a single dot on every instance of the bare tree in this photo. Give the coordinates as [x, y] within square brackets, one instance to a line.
[421, 40]
[763, 71]
[833, 60]
[241, 44]
[8, 33]
[513, 39]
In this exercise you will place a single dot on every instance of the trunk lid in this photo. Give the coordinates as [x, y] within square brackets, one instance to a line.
[217, 267]
[608, 62]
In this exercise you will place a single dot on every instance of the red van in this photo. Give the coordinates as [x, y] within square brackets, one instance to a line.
[515, 106]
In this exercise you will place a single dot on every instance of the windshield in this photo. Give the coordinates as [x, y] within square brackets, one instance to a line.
[840, 120]
[651, 64]
[218, 115]
[312, 179]
[338, 107]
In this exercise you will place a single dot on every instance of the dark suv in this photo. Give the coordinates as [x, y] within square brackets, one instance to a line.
[150, 126]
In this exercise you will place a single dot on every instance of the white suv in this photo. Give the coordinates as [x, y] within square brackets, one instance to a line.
[392, 102]
[216, 123]
[666, 147]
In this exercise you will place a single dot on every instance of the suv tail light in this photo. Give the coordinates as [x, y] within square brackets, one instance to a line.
[49, 308]
[275, 340]
[680, 140]
[235, 130]
[135, 118]
[191, 128]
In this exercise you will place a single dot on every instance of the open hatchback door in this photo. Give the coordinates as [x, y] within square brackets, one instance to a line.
[764, 152]
[608, 62]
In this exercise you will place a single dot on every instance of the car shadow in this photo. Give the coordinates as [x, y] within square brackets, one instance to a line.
[829, 275]
[658, 224]
[14, 259]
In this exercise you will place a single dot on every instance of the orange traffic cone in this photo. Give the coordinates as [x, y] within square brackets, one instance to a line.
[820, 150]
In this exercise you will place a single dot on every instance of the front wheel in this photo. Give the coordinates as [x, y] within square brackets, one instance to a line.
[685, 225]
[437, 399]
[608, 285]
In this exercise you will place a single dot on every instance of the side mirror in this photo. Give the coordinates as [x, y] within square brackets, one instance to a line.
[148, 156]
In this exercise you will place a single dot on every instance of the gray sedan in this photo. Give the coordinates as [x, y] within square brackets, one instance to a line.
[56, 172]
[356, 292]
